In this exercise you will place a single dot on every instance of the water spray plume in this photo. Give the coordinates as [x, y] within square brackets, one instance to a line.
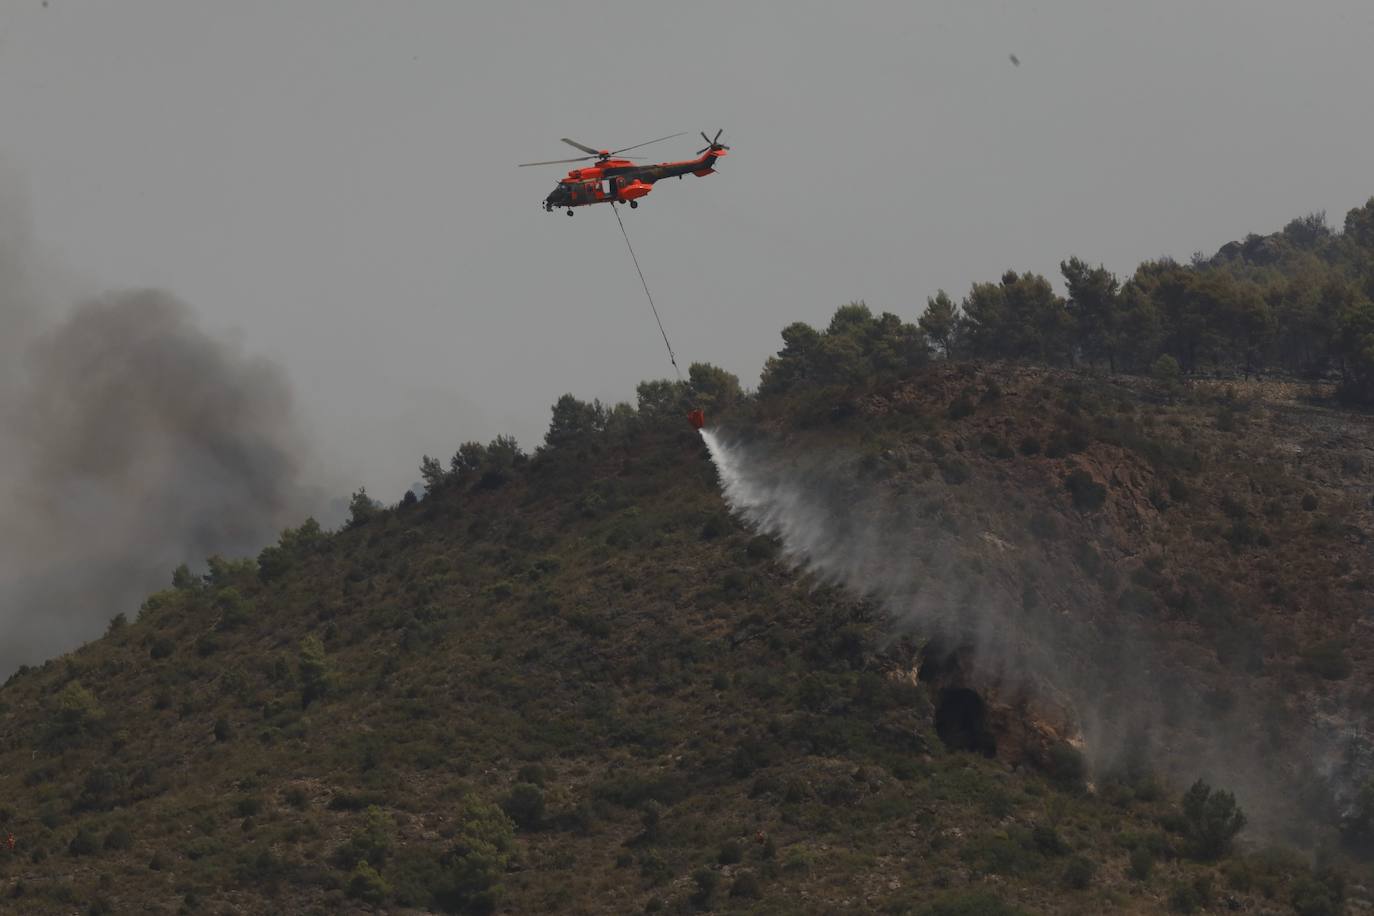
[1119, 689]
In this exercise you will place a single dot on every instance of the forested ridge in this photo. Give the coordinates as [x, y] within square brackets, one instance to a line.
[569, 679]
[1297, 301]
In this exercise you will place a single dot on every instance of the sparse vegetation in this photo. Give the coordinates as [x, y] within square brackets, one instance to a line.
[1211, 821]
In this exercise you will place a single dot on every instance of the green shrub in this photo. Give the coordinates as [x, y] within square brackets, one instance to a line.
[653, 867]
[184, 580]
[960, 407]
[1166, 369]
[1211, 821]
[74, 711]
[746, 885]
[525, 805]
[1315, 895]
[232, 607]
[362, 508]
[482, 846]
[1078, 873]
[954, 471]
[371, 841]
[717, 525]
[1000, 854]
[1184, 898]
[1244, 533]
[798, 860]
[367, 885]
[531, 773]
[119, 838]
[761, 547]
[1142, 862]
[706, 881]
[1067, 766]
[731, 853]
[315, 675]
[223, 731]
[1047, 840]
[102, 789]
[85, 843]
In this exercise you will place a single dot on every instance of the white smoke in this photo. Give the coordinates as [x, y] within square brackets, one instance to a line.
[849, 532]
[1127, 694]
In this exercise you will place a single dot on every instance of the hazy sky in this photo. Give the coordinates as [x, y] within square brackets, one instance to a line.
[335, 181]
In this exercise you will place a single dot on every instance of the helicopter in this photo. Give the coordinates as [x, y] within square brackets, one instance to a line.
[612, 180]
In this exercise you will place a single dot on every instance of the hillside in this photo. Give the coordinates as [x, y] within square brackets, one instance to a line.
[1008, 631]
[674, 718]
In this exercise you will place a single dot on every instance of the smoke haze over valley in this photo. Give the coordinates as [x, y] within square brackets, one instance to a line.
[133, 441]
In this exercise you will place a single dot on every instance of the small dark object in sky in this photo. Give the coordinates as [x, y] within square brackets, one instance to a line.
[1015, 61]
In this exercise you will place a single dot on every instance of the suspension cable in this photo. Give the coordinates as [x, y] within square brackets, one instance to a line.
[672, 357]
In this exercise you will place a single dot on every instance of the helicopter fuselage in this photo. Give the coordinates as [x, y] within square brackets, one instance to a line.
[621, 181]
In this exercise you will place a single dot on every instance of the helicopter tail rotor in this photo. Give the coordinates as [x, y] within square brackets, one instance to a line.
[712, 143]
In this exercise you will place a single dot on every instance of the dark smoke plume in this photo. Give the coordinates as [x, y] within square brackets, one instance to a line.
[132, 442]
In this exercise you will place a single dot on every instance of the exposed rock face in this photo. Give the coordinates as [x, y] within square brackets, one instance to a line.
[1016, 725]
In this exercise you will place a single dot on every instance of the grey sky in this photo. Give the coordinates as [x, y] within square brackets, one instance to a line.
[335, 181]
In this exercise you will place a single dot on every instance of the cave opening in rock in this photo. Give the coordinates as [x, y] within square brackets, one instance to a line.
[961, 722]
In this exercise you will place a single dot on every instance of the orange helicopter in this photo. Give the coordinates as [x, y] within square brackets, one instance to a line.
[614, 180]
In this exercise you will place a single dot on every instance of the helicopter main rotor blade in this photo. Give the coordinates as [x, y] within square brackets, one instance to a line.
[647, 142]
[717, 136]
[585, 149]
[578, 159]
[556, 161]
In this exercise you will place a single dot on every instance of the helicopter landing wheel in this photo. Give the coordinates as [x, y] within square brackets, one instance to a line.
[634, 205]
[570, 213]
